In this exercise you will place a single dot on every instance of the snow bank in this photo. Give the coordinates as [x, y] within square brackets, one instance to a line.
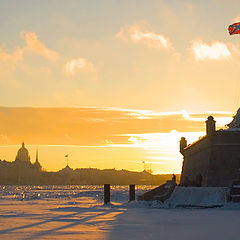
[197, 197]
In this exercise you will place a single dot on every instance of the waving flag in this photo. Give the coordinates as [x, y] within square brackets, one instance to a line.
[234, 28]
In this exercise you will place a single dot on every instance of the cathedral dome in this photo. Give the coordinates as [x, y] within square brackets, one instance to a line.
[22, 154]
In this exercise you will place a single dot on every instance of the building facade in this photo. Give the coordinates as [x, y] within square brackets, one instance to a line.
[213, 160]
[20, 171]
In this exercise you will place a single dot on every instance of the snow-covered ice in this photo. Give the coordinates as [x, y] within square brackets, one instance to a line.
[77, 212]
[197, 197]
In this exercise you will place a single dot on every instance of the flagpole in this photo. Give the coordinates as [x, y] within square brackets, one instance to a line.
[66, 156]
[235, 29]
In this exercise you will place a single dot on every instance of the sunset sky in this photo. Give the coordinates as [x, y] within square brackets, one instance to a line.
[115, 83]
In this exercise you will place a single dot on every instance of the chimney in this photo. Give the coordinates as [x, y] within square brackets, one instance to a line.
[210, 126]
[183, 144]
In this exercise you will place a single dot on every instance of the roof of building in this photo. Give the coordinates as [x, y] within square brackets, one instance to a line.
[67, 169]
[233, 126]
[22, 154]
[235, 123]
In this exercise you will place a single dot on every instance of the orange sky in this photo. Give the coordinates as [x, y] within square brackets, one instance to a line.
[102, 137]
[106, 81]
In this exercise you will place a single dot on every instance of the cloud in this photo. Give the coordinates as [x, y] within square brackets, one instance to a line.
[136, 34]
[9, 61]
[88, 126]
[75, 65]
[215, 51]
[222, 118]
[15, 57]
[33, 44]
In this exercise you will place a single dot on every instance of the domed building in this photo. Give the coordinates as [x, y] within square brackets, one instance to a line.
[23, 155]
[25, 171]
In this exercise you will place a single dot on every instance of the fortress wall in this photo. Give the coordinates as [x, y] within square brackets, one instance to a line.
[216, 159]
[225, 160]
[196, 162]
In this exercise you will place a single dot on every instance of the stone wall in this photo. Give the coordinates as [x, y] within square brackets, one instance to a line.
[212, 161]
[195, 164]
[225, 160]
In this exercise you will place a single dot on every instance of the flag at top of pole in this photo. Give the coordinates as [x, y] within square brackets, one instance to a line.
[234, 28]
[66, 156]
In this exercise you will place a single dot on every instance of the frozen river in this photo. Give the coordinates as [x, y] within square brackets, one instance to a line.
[77, 212]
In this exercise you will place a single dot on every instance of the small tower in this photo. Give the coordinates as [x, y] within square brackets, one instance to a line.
[210, 126]
[183, 144]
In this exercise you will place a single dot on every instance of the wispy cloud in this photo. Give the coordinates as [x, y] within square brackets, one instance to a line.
[15, 57]
[214, 51]
[222, 117]
[33, 44]
[75, 65]
[93, 126]
[136, 34]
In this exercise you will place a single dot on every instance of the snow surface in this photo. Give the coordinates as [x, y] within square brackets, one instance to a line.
[77, 212]
[197, 197]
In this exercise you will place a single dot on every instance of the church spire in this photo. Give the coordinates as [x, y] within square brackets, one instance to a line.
[37, 154]
[37, 163]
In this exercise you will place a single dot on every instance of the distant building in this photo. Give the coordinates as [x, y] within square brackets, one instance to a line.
[21, 171]
[213, 160]
[22, 155]
[66, 170]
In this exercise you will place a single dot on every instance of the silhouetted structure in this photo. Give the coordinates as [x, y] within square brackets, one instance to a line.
[22, 171]
[132, 192]
[22, 154]
[106, 193]
[37, 164]
[213, 160]
[160, 193]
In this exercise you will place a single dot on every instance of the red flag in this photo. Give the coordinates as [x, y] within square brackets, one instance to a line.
[234, 28]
